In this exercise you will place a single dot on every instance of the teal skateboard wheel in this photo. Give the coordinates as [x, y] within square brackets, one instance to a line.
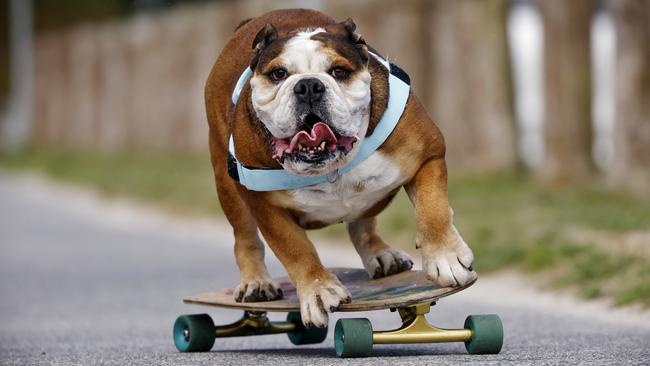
[302, 334]
[487, 334]
[194, 333]
[353, 337]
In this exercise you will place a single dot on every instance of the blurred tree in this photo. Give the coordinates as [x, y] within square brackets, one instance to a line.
[4, 51]
[16, 124]
[424, 12]
[631, 166]
[567, 67]
[471, 97]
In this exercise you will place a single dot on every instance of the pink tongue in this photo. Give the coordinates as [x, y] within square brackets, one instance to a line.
[319, 133]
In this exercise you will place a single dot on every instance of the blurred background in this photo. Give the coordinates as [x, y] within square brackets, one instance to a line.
[545, 107]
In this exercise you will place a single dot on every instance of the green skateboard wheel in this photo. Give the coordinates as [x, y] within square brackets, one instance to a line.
[194, 333]
[302, 334]
[487, 334]
[353, 337]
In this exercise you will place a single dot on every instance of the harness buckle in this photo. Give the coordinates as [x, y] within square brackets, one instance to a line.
[333, 176]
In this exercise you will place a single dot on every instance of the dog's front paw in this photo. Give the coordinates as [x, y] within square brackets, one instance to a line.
[449, 264]
[255, 290]
[387, 262]
[320, 296]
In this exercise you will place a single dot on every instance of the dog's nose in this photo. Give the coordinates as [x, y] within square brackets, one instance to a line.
[309, 90]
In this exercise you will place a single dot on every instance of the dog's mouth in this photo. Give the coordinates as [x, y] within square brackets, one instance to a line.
[315, 143]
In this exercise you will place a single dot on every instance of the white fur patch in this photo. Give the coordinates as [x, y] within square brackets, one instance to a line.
[303, 55]
[341, 201]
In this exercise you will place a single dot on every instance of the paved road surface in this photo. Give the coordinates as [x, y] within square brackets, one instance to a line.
[83, 281]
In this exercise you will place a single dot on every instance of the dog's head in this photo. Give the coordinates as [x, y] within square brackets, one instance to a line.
[311, 90]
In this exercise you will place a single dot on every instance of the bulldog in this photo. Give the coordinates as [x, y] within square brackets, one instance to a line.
[314, 94]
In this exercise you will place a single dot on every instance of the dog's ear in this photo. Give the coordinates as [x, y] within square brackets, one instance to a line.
[264, 37]
[347, 29]
[350, 27]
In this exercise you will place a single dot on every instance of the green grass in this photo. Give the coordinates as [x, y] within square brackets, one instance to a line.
[177, 182]
[508, 219]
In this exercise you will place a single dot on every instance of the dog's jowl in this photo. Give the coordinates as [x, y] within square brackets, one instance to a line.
[309, 126]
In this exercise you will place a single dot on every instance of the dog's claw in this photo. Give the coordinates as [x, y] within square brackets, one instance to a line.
[319, 297]
[257, 290]
[449, 264]
[387, 262]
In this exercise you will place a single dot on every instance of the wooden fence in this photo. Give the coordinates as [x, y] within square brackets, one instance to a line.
[137, 83]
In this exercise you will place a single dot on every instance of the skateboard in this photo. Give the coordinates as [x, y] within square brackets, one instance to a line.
[409, 293]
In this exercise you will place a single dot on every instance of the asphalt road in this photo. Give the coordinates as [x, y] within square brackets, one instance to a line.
[87, 281]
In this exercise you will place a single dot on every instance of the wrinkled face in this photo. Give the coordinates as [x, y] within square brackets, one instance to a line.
[312, 93]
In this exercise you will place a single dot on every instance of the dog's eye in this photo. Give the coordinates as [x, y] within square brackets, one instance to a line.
[339, 73]
[278, 74]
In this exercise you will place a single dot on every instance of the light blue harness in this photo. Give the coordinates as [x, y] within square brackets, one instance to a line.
[276, 179]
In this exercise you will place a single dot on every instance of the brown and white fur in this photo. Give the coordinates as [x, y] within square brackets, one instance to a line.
[309, 44]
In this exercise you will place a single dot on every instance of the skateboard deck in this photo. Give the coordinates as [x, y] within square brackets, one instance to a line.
[400, 290]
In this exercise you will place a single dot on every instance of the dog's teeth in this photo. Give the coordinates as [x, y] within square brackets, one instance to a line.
[300, 146]
[322, 145]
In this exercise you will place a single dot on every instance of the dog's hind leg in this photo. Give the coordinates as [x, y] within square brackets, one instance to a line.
[378, 258]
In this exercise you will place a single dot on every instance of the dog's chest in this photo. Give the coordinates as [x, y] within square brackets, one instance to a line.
[352, 193]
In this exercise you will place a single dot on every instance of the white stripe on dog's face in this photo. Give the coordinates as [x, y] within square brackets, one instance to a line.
[345, 105]
[302, 55]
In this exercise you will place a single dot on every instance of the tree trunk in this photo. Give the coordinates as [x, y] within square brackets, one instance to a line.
[567, 123]
[471, 87]
[16, 128]
[631, 167]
